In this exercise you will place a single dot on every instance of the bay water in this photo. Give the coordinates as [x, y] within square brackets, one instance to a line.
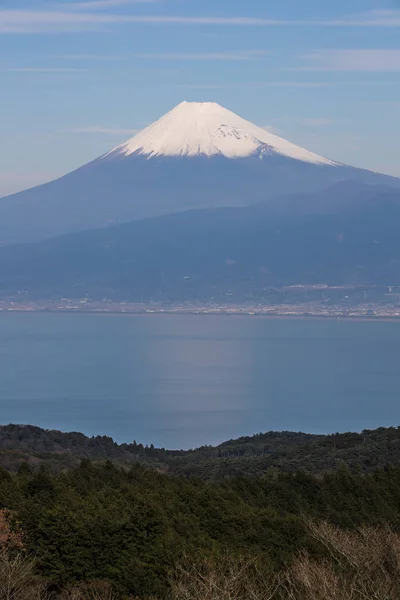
[180, 381]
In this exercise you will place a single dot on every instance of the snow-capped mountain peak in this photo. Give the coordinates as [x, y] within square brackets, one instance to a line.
[208, 129]
[205, 157]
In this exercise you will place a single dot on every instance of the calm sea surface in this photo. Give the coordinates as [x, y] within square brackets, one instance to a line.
[182, 381]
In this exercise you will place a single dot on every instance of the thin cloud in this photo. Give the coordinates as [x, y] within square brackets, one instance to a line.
[104, 4]
[232, 55]
[300, 84]
[28, 21]
[96, 57]
[284, 84]
[41, 70]
[312, 122]
[272, 129]
[384, 16]
[25, 21]
[361, 60]
[257, 84]
[387, 103]
[327, 84]
[206, 86]
[54, 21]
[235, 55]
[98, 129]
[374, 18]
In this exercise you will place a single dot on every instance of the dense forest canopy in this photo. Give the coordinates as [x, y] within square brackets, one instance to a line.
[130, 528]
[250, 456]
[125, 518]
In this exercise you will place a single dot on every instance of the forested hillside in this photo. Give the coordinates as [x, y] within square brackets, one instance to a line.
[250, 456]
[87, 519]
[132, 528]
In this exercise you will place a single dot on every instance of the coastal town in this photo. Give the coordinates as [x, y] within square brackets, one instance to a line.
[312, 309]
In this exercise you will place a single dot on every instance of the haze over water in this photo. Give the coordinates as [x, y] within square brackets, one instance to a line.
[182, 381]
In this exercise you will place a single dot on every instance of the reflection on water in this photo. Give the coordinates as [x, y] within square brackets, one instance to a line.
[180, 381]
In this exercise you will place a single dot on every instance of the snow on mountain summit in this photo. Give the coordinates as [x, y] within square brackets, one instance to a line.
[208, 129]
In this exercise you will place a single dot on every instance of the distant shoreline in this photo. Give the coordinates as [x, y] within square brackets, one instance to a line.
[234, 311]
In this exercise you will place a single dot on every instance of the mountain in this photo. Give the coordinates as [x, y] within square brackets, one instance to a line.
[197, 156]
[227, 253]
[207, 129]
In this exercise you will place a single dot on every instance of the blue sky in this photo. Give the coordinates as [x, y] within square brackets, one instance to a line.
[78, 78]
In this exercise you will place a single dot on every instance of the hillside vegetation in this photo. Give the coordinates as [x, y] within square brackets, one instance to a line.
[244, 520]
[133, 529]
[249, 456]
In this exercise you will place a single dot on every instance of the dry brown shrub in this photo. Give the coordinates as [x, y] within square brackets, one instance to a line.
[366, 549]
[314, 580]
[363, 565]
[224, 579]
[17, 579]
[96, 590]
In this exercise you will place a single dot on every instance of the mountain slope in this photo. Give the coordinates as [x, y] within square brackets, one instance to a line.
[208, 129]
[201, 255]
[197, 156]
